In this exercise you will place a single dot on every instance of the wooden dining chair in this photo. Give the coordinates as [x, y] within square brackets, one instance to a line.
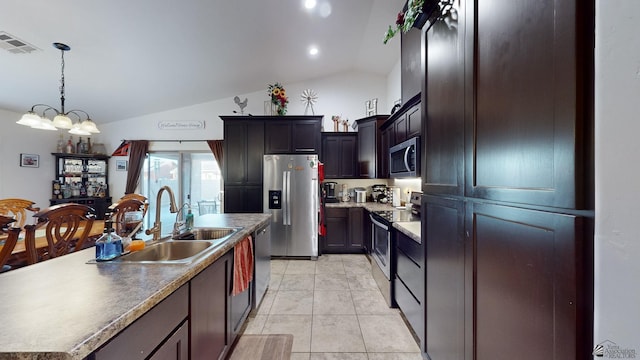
[10, 241]
[137, 197]
[66, 227]
[17, 208]
[118, 214]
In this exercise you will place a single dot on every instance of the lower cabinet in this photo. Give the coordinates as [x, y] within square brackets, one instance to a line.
[176, 347]
[153, 333]
[209, 294]
[200, 320]
[344, 231]
[409, 282]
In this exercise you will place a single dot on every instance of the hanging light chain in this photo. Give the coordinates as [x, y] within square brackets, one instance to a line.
[62, 83]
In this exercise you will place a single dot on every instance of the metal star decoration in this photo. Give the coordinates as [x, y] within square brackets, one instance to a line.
[309, 97]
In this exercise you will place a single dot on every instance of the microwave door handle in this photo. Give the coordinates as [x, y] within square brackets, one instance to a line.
[406, 158]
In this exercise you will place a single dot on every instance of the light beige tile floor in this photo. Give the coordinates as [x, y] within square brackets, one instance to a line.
[334, 310]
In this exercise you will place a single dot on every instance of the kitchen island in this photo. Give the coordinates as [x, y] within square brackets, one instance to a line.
[65, 308]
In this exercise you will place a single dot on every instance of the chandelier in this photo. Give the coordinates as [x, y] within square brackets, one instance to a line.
[61, 119]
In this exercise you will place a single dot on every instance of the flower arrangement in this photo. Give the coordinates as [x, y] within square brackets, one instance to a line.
[405, 19]
[278, 98]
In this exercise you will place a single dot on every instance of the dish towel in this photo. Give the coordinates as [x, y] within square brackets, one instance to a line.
[242, 265]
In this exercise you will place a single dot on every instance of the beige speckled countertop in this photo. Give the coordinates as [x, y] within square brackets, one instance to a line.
[410, 228]
[65, 308]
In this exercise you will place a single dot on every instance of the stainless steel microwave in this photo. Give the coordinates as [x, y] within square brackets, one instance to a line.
[404, 159]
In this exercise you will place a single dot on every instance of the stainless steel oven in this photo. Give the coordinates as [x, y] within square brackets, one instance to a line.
[381, 244]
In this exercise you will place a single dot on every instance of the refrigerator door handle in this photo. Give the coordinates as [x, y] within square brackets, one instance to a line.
[284, 198]
[288, 197]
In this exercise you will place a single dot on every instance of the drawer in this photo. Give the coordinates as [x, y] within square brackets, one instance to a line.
[413, 249]
[140, 338]
[411, 274]
[337, 212]
[412, 309]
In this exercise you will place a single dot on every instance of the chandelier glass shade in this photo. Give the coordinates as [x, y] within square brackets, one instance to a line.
[83, 126]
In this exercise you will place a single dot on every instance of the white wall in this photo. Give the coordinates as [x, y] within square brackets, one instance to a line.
[617, 245]
[394, 86]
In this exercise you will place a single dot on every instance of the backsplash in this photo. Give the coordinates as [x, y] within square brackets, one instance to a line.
[405, 185]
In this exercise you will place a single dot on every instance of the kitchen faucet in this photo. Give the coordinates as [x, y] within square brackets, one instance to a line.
[156, 230]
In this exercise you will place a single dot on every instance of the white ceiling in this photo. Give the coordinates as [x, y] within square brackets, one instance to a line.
[135, 57]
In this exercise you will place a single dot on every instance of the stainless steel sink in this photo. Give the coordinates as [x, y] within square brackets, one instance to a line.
[170, 251]
[181, 249]
[206, 233]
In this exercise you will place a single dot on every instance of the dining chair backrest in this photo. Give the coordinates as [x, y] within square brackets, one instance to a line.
[124, 224]
[17, 209]
[139, 197]
[9, 242]
[66, 227]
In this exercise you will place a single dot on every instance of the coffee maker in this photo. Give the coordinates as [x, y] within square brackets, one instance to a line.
[330, 191]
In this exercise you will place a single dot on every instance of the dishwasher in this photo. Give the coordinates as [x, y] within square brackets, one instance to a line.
[262, 264]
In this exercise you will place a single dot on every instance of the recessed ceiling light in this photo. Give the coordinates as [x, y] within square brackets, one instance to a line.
[313, 50]
[309, 4]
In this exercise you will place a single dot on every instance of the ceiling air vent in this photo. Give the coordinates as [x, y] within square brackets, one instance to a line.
[14, 45]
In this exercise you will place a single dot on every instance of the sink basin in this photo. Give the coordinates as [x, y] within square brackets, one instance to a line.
[171, 251]
[203, 233]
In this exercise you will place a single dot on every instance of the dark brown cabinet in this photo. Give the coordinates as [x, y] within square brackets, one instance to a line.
[293, 134]
[371, 154]
[176, 347]
[508, 181]
[210, 336]
[147, 335]
[242, 170]
[527, 291]
[411, 63]
[339, 155]
[344, 231]
[89, 175]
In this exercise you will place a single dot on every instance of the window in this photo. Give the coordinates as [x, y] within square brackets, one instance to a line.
[194, 177]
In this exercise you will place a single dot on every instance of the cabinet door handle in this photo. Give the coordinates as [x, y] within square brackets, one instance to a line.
[305, 149]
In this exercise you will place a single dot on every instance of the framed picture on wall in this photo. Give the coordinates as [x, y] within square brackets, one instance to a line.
[30, 160]
[122, 165]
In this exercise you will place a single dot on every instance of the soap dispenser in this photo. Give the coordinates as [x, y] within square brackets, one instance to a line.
[109, 245]
[189, 219]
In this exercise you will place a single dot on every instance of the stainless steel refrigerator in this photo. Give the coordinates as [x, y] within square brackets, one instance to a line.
[291, 196]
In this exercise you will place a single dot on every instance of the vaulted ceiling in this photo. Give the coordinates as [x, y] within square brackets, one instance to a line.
[135, 57]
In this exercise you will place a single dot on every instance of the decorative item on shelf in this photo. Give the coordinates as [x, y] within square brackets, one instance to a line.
[56, 190]
[241, 104]
[61, 119]
[336, 123]
[371, 107]
[70, 148]
[309, 97]
[345, 125]
[396, 105]
[279, 99]
[416, 13]
[61, 144]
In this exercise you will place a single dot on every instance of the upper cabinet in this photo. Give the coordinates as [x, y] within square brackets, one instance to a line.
[528, 114]
[293, 135]
[339, 155]
[412, 63]
[372, 156]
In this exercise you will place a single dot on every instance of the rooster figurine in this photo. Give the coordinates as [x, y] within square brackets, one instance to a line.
[241, 104]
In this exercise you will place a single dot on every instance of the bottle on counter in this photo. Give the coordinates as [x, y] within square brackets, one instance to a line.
[109, 245]
[189, 219]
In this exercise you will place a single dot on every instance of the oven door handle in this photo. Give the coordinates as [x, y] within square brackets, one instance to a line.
[377, 223]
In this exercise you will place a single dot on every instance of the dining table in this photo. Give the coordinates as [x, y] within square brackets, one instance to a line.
[19, 251]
